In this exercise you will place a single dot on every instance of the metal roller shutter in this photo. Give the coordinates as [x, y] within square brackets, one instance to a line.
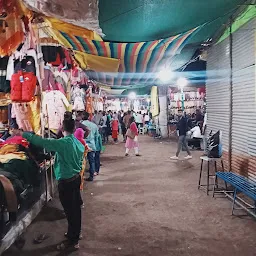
[244, 101]
[218, 93]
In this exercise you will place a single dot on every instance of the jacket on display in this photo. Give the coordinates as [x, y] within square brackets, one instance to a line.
[77, 98]
[48, 82]
[23, 61]
[4, 84]
[23, 86]
[54, 106]
[23, 114]
[53, 54]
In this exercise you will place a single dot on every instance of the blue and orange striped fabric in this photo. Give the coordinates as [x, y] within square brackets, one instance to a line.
[137, 60]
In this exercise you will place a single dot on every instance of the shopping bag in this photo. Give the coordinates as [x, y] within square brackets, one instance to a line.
[130, 134]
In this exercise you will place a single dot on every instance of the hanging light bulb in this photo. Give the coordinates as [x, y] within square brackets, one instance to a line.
[165, 75]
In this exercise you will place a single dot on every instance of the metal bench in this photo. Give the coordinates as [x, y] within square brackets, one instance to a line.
[240, 184]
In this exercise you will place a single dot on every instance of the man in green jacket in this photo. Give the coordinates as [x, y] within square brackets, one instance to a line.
[67, 167]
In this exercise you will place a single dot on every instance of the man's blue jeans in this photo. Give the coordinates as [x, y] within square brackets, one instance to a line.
[91, 160]
[97, 161]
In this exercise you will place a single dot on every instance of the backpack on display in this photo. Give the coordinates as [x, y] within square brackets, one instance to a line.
[214, 145]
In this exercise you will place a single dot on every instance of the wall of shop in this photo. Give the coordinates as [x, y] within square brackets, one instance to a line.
[231, 98]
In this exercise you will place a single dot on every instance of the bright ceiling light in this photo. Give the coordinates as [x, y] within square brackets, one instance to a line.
[165, 75]
[182, 82]
[132, 96]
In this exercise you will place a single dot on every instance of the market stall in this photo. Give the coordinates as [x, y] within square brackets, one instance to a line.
[40, 79]
[193, 99]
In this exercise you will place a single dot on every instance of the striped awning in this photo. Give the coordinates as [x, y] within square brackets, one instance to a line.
[138, 61]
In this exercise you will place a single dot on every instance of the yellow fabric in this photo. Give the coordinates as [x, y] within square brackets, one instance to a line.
[69, 28]
[8, 148]
[24, 10]
[8, 157]
[35, 109]
[154, 101]
[97, 63]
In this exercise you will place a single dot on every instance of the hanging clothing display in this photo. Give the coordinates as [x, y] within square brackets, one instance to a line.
[53, 54]
[23, 114]
[26, 60]
[48, 82]
[23, 86]
[4, 84]
[11, 37]
[54, 106]
[77, 98]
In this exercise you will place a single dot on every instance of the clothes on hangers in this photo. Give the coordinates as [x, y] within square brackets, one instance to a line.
[77, 98]
[54, 106]
[48, 82]
[24, 61]
[4, 84]
[53, 54]
[23, 114]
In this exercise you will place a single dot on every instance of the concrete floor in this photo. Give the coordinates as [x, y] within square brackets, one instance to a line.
[148, 206]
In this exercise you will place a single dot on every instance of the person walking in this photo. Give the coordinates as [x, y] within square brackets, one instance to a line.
[97, 154]
[115, 127]
[67, 167]
[132, 138]
[127, 118]
[91, 141]
[182, 128]
[123, 128]
[103, 127]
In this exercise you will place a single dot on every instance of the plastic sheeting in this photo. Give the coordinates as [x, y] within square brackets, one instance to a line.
[83, 13]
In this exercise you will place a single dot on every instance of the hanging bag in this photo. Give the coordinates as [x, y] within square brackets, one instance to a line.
[130, 134]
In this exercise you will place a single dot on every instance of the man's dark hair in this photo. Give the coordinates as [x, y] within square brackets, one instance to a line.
[68, 123]
[129, 112]
[86, 115]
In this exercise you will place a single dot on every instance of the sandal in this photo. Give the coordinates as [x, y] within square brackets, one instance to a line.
[40, 238]
[68, 245]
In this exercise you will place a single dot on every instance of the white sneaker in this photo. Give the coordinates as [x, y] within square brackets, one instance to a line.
[174, 158]
[188, 157]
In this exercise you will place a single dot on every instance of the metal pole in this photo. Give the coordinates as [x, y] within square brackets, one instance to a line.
[231, 92]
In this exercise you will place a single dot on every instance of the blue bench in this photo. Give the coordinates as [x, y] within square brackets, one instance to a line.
[240, 184]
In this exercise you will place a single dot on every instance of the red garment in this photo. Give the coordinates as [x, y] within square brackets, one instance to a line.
[115, 125]
[57, 62]
[114, 134]
[134, 128]
[23, 86]
[19, 140]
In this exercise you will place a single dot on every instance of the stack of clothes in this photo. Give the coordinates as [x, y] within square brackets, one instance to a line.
[19, 171]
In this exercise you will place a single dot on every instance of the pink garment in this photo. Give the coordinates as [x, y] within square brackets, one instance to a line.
[130, 143]
[22, 113]
[79, 134]
[54, 106]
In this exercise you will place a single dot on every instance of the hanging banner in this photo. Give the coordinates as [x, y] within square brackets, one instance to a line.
[154, 101]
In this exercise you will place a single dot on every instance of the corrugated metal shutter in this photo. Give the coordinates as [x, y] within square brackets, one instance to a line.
[244, 101]
[218, 93]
